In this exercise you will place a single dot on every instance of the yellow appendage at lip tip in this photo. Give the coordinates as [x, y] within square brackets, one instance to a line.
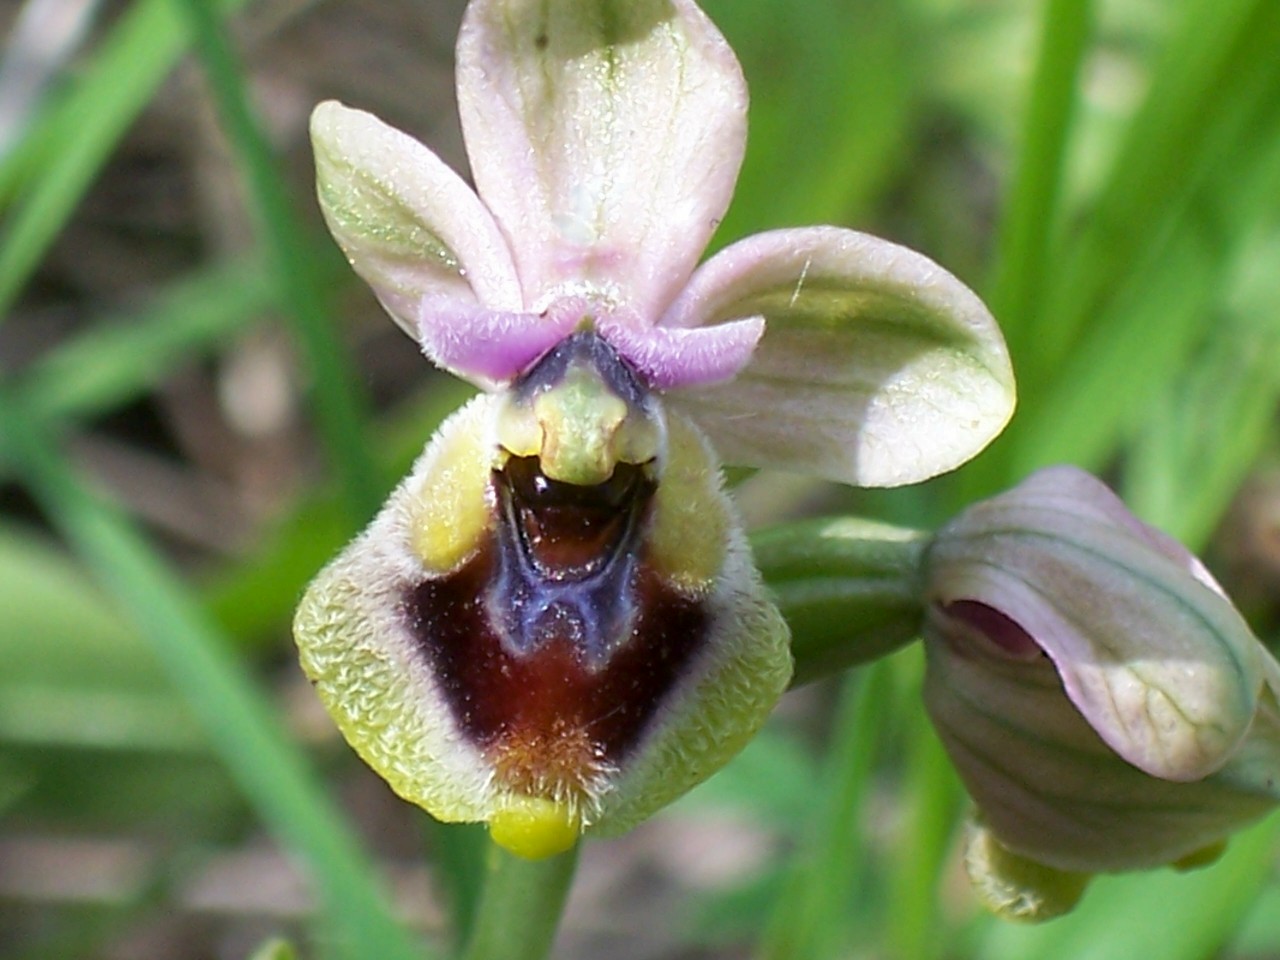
[535, 828]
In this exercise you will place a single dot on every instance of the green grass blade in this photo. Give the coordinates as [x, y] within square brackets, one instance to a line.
[1209, 73]
[120, 80]
[933, 800]
[340, 408]
[237, 718]
[811, 918]
[1215, 422]
[1031, 210]
[834, 113]
[1164, 305]
[44, 593]
[1116, 373]
[1137, 282]
[116, 360]
[89, 683]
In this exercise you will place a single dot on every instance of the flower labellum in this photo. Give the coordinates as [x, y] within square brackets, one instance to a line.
[1106, 706]
[555, 620]
[554, 625]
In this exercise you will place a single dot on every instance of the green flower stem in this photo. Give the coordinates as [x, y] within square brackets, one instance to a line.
[521, 906]
[848, 588]
[340, 406]
[236, 716]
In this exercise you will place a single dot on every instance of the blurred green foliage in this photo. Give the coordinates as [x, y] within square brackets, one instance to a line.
[1107, 171]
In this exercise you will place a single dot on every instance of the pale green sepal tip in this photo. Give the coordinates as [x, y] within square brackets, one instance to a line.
[1015, 888]
[407, 222]
[275, 949]
[1204, 857]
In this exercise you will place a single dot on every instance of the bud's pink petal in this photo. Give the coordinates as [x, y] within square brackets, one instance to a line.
[1073, 490]
[409, 225]
[1052, 791]
[877, 367]
[1162, 666]
[605, 138]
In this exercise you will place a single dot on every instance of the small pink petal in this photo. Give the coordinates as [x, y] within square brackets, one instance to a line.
[669, 357]
[486, 347]
[606, 146]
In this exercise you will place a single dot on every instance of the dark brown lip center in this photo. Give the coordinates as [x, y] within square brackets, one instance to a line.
[570, 532]
[557, 643]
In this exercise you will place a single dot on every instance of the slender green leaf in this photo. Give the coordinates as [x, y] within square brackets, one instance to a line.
[1031, 211]
[1160, 310]
[1214, 70]
[340, 406]
[47, 596]
[114, 362]
[833, 86]
[111, 91]
[810, 919]
[932, 799]
[1203, 439]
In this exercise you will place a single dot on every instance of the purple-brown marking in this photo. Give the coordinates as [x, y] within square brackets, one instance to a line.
[558, 642]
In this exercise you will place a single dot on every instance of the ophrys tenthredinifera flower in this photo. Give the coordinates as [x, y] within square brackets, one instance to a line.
[554, 625]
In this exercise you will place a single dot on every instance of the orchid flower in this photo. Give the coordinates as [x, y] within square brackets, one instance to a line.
[555, 625]
[1105, 704]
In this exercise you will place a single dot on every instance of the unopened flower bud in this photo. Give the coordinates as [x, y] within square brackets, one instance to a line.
[1105, 704]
